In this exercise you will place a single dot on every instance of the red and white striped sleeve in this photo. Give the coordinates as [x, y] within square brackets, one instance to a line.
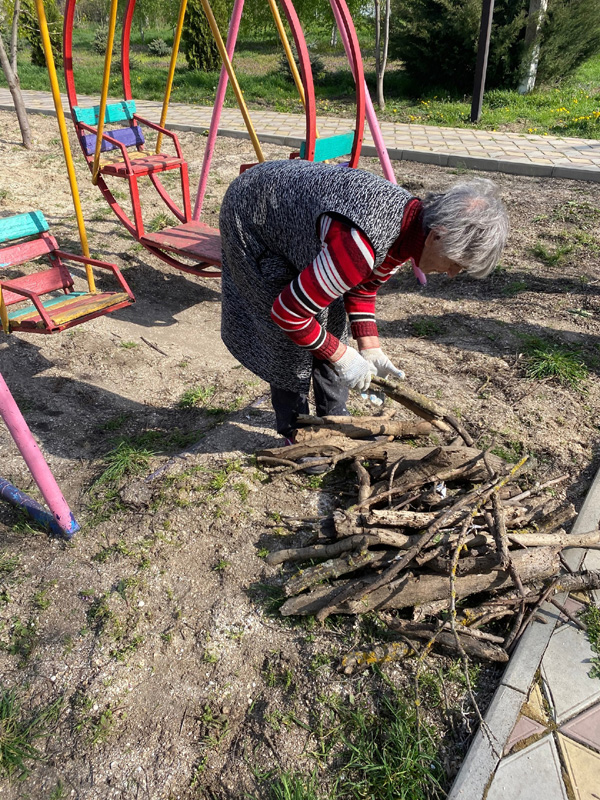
[346, 260]
[359, 301]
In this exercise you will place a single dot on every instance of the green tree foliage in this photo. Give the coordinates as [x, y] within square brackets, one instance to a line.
[31, 31]
[198, 42]
[437, 40]
[571, 33]
[316, 18]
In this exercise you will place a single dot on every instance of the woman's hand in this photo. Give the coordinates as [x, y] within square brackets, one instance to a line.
[354, 370]
[383, 366]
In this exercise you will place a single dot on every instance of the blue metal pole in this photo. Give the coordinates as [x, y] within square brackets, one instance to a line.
[36, 511]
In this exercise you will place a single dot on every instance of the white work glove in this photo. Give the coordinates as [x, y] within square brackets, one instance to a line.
[354, 370]
[383, 366]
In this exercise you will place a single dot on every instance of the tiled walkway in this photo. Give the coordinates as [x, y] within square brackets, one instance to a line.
[543, 726]
[522, 154]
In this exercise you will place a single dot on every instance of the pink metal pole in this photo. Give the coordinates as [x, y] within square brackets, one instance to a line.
[34, 459]
[234, 27]
[378, 141]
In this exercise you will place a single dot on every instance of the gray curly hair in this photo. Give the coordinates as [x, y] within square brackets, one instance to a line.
[472, 222]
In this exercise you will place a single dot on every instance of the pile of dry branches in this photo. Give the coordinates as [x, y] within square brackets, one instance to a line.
[443, 532]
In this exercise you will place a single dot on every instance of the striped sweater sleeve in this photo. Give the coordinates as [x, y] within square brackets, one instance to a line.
[345, 260]
[360, 300]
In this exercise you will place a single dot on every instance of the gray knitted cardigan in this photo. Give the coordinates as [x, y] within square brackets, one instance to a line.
[269, 233]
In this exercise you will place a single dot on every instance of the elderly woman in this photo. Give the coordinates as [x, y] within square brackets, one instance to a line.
[306, 247]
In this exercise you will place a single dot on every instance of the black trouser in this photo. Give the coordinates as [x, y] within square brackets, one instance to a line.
[331, 397]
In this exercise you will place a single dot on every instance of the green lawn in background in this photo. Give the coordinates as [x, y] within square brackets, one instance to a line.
[571, 108]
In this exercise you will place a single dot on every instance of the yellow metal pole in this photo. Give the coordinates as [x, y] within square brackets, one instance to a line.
[64, 138]
[231, 74]
[112, 23]
[3, 314]
[288, 50]
[172, 65]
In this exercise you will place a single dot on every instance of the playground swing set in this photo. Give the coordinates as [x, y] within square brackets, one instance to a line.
[109, 153]
[121, 152]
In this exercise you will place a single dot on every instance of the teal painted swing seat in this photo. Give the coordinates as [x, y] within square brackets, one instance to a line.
[45, 301]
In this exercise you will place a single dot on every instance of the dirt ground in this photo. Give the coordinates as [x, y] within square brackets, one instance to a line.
[155, 628]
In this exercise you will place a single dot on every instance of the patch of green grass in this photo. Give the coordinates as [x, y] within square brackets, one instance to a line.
[23, 640]
[8, 563]
[426, 328]
[210, 657]
[591, 617]
[380, 754]
[126, 459]
[221, 565]
[515, 287]
[290, 785]
[195, 396]
[386, 757]
[545, 359]
[275, 674]
[577, 212]
[18, 733]
[220, 476]
[122, 652]
[129, 345]
[114, 423]
[270, 597]
[41, 601]
[59, 792]
[511, 451]
[552, 258]
[117, 548]
[159, 222]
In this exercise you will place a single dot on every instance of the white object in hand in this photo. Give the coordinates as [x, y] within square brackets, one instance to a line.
[354, 370]
[383, 366]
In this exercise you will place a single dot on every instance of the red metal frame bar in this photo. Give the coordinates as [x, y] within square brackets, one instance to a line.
[359, 78]
[307, 77]
[94, 262]
[126, 49]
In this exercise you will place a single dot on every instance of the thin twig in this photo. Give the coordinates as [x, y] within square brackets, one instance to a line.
[153, 346]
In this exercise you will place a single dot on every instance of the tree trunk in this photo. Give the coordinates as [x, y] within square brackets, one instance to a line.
[382, 63]
[334, 36]
[537, 14]
[14, 36]
[13, 84]
[378, 46]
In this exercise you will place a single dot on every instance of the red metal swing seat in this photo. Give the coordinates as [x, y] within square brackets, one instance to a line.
[192, 240]
[46, 302]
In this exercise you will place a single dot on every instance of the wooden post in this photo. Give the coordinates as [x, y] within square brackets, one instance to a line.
[483, 48]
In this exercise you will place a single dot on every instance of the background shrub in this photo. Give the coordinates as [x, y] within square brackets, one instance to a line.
[571, 34]
[158, 47]
[317, 65]
[437, 41]
[101, 40]
[198, 42]
[30, 29]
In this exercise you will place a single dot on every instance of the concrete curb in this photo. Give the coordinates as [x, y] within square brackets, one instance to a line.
[485, 751]
[516, 167]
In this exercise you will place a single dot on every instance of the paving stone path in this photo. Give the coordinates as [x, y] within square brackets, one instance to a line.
[542, 736]
[516, 153]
